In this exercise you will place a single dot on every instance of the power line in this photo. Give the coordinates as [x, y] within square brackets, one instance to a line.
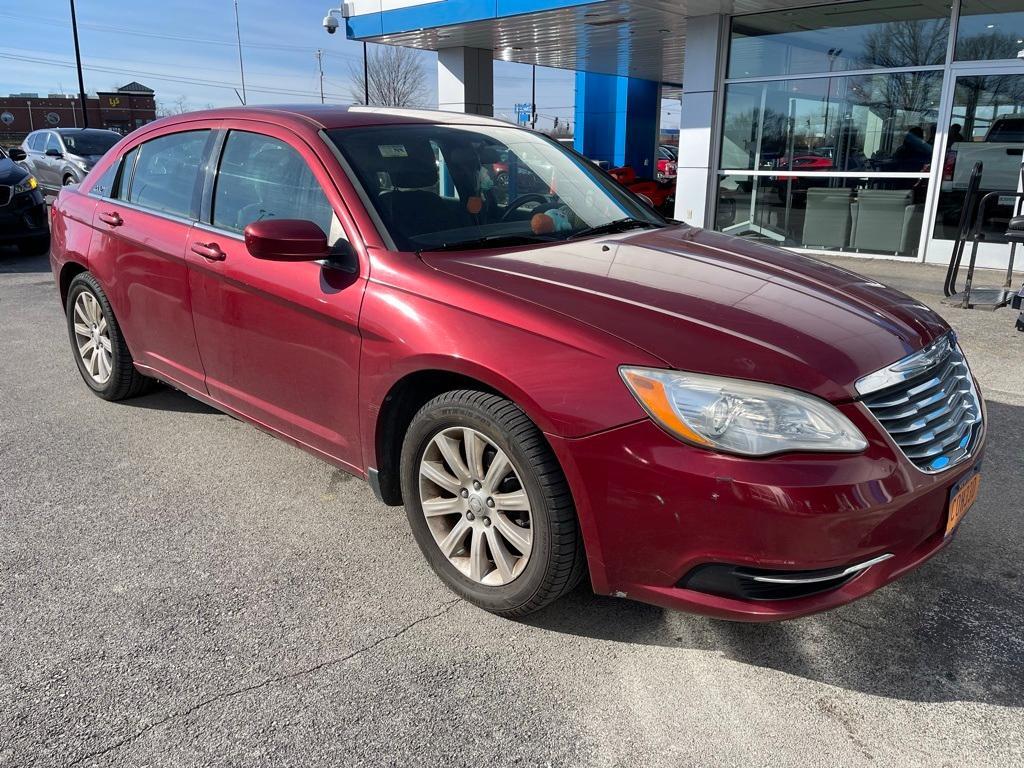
[157, 76]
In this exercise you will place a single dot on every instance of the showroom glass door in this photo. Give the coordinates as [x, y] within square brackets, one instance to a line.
[984, 120]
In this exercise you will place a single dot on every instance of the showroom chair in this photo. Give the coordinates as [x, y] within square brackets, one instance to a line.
[827, 218]
[887, 220]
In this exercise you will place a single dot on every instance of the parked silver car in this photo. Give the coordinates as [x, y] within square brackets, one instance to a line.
[61, 156]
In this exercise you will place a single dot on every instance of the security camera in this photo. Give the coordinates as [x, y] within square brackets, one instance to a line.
[330, 24]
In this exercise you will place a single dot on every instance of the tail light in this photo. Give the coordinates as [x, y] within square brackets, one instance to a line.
[949, 165]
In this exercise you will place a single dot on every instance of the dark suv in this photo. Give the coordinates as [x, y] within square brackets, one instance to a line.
[22, 211]
[61, 156]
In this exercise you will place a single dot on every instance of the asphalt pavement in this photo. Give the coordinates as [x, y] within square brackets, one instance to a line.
[177, 588]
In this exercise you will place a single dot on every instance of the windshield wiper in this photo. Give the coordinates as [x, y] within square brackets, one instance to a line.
[619, 225]
[491, 241]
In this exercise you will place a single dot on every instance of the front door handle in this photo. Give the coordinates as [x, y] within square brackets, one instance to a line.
[113, 219]
[209, 251]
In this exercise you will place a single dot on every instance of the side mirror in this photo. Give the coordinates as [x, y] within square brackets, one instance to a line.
[286, 240]
[16, 154]
[54, 153]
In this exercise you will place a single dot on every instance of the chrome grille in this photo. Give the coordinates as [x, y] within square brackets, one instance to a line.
[933, 412]
[5, 194]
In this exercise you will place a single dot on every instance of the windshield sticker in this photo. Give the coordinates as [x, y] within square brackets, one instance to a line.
[392, 150]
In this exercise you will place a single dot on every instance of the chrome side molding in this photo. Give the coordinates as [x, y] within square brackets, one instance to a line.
[826, 577]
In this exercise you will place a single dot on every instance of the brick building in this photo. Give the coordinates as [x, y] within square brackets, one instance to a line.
[123, 110]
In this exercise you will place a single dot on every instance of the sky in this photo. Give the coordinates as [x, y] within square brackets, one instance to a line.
[186, 51]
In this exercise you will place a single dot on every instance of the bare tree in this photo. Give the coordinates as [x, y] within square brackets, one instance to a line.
[397, 78]
[178, 106]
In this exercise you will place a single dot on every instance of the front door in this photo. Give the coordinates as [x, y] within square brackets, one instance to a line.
[985, 124]
[279, 340]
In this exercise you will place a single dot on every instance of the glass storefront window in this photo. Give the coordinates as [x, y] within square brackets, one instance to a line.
[878, 122]
[835, 37]
[990, 29]
[871, 215]
[987, 127]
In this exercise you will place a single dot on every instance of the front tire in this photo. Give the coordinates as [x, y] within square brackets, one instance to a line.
[489, 505]
[99, 348]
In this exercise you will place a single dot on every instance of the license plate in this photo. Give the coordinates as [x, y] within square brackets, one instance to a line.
[961, 497]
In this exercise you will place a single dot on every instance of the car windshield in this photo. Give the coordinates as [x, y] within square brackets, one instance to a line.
[91, 143]
[444, 187]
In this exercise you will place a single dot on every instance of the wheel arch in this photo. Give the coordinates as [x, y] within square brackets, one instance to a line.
[408, 394]
[68, 272]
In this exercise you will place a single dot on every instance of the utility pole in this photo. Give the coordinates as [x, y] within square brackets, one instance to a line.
[366, 77]
[78, 63]
[241, 67]
[320, 66]
[533, 98]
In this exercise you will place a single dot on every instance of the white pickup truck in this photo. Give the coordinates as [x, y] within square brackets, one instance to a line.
[1001, 152]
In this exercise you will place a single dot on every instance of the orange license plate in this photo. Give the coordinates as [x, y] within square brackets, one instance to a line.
[962, 497]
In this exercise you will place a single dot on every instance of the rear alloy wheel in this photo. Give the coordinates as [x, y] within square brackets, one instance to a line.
[100, 351]
[489, 505]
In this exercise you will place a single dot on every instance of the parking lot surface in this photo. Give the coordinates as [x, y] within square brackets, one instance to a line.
[178, 588]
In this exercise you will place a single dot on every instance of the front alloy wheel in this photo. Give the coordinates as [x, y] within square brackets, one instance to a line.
[475, 506]
[488, 503]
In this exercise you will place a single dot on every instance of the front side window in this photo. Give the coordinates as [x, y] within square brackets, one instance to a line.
[90, 143]
[166, 171]
[446, 187]
[261, 177]
[52, 142]
[836, 37]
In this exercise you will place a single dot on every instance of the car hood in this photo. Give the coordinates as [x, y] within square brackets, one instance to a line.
[710, 303]
[11, 172]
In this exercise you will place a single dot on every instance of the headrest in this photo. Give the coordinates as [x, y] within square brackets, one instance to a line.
[407, 173]
[489, 156]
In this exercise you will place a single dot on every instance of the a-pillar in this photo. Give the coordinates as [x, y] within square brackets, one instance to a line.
[465, 80]
[617, 120]
[697, 183]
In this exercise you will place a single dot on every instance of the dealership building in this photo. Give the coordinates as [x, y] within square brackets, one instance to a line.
[847, 127]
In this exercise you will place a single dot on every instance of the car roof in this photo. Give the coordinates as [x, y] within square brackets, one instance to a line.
[67, 131]
[328, 117]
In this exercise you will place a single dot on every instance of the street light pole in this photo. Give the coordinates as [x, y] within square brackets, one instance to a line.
[366, 77]
[241, 67]
[78, 64]
[320, 66]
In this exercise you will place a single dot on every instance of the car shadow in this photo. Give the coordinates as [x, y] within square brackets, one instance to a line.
[165, 398]
[952, 630]
[13, 262]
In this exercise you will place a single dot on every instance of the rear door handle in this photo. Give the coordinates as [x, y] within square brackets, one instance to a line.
[209, 251]
[113, 219]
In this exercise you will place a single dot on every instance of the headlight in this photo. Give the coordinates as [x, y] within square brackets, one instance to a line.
[26, 185]
[737, 416]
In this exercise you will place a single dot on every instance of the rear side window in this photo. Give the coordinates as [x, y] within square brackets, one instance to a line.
[125, 179]
[35, 142]
[166, 172]
[264, 178]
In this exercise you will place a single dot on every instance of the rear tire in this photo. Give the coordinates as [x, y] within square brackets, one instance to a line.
[99, 348]
[527, 506]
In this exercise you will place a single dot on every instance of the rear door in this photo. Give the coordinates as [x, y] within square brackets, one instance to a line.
[138, 251]
[48, 164]
[279, 340]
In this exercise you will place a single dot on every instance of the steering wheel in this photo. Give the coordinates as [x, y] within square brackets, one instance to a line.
[522, 200]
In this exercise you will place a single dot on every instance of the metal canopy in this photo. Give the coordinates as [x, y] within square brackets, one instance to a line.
[637, 38]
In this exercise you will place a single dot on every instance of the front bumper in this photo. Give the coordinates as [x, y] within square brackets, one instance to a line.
[24, 216]
[654, 509]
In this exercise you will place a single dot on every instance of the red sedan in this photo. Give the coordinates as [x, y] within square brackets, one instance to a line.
[556, 385]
